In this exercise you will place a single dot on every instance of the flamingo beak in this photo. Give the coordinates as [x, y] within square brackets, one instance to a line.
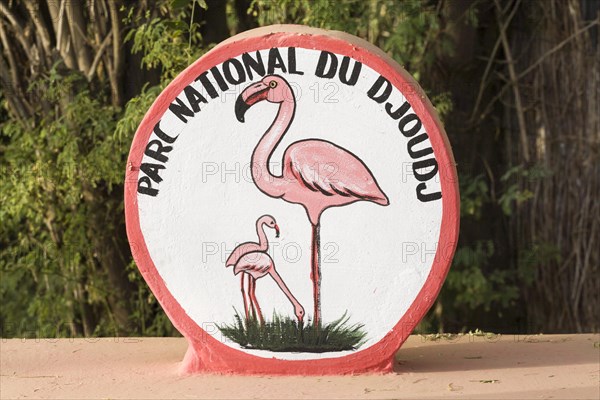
[276, 230]
[250, 96]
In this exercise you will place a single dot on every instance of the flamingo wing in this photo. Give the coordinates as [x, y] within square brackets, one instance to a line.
[256, 264]
[324, 167]
[240, 251]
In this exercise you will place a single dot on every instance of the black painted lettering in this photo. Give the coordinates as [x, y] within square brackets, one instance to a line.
[292, 62]
[275, 61]
[399, 112]
[418, 153]
[181, 110]
[145, 187]
[158, 152]
[373, 93]
[425, 197]
[194, 97]
[210, 89]
[344, 71]
[407, 120]
[324, 59]
[162, 135]
[253, 64]
[219, 78]
[428, 163]
[152, 170]
[239, 70]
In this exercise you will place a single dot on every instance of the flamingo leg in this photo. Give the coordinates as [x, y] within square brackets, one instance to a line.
[251, 284]
[253, 295]
[244, 296]
[315, 274]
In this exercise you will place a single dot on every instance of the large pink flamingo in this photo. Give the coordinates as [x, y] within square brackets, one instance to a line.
[251, 260]
[316, 173]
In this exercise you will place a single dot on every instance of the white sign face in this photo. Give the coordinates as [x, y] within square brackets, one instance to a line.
[290, 201]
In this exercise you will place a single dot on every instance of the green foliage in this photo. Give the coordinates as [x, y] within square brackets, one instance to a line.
[135, 110]
[474, 193]
[147, 315]
[287, 334]
[468, 286]
[477, 280]
[63, 190]
[442, 103]
[409, 31]
[164, 45]
[473, 287]
[51, 168]
[539, 253]
[513, 193]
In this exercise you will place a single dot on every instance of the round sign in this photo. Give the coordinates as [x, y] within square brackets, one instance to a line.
[292, 202]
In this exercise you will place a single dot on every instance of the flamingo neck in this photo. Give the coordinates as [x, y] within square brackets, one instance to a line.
[284, 288]
[273, 185]
[263, 242]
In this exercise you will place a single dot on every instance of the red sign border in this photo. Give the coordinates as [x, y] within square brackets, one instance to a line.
[207, 354]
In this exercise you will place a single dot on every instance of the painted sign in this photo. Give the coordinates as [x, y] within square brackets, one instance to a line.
[291, 200]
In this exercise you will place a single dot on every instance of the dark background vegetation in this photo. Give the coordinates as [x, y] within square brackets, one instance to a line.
[515, 81]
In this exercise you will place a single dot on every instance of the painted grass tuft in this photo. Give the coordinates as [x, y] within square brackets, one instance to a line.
[285, 334]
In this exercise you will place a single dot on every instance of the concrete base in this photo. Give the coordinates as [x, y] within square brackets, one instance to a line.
[511, 366]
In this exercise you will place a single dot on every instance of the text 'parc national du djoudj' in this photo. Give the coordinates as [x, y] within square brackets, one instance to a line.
[214, 82]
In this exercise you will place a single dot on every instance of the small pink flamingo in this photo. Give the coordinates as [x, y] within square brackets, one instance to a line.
[252, 260]
[317, 174]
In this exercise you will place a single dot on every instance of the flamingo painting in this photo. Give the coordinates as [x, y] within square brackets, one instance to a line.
[252, 261]
[316, 174]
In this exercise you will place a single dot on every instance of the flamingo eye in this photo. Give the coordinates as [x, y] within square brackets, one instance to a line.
[273, 84]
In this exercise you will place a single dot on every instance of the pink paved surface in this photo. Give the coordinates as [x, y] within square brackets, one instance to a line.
[511, 366]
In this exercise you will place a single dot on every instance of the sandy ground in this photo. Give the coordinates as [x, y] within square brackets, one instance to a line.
[516, 367]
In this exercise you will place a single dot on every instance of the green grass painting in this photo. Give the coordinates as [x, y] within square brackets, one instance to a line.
[285, 334]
